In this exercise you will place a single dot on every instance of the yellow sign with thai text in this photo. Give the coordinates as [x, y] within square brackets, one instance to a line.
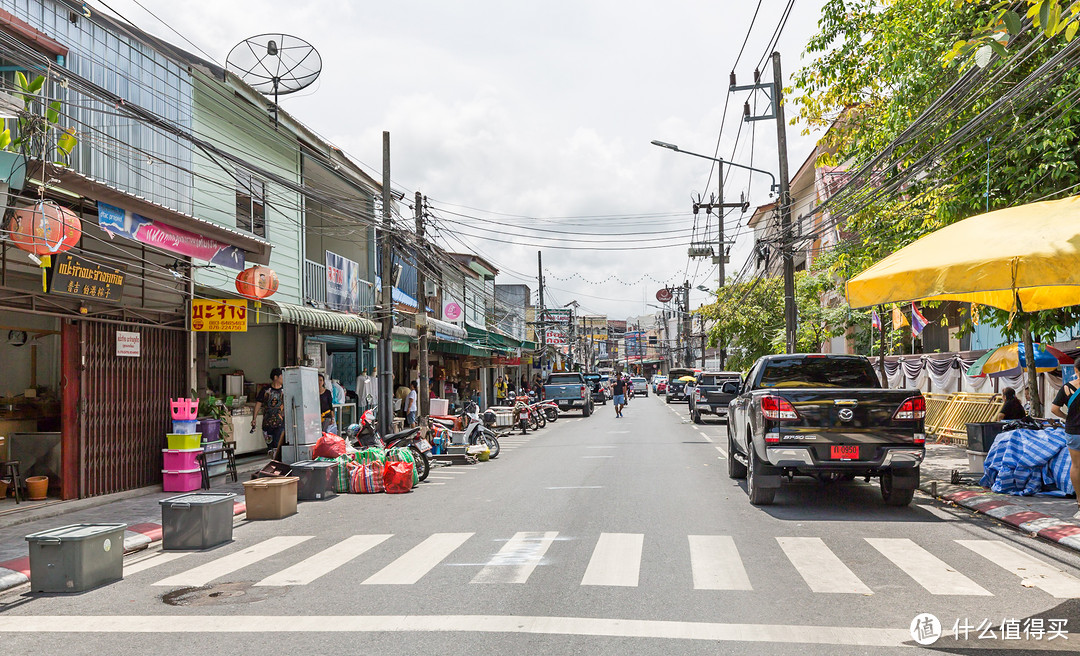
[218, 315]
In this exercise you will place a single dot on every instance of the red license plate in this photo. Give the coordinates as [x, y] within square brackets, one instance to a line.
[844, 452]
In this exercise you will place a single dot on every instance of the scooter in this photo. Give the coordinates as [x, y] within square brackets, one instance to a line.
[476, 432]
[537, 416]
[364, 435]
[550, 410]
[521, 412]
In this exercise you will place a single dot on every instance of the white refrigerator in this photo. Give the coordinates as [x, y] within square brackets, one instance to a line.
[303, 418]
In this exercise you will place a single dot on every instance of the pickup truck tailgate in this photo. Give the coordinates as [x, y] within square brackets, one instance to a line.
[864, 418]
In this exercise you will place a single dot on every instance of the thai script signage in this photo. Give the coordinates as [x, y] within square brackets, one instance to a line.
[74, 275]
[116, 221]
[128, 344]
[218, 315]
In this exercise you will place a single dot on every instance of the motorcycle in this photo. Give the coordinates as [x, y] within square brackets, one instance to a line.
[521, 412]
[550, 410]
[364, 435]
[476, 430]
[537, 416]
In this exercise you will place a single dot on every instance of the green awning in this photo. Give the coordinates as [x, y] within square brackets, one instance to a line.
[461, 348]
[492, 340]
[528, 346]
[347, 324]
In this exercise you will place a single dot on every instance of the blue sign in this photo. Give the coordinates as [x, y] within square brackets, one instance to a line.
[342, 283]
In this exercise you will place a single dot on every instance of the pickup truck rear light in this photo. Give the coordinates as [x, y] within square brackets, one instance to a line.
[777, 409]
[912, 409]
[583, 392]
[697, 395]
[919, 438]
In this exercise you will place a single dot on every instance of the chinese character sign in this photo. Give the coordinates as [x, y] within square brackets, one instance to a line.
[342, 283]
[214, 315]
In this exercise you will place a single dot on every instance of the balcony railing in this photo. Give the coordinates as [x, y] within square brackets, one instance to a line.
[315, 288]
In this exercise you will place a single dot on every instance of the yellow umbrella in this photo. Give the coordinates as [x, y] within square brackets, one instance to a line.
[1030, 252]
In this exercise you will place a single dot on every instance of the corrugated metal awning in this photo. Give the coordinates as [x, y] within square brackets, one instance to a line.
[443, 329]
[348, 324]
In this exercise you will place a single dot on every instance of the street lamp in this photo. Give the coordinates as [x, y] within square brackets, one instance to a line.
[670, 146]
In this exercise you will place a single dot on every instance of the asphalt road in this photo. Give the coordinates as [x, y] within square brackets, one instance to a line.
[598, 536]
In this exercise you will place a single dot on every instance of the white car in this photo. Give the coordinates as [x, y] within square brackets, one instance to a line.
[641, 386]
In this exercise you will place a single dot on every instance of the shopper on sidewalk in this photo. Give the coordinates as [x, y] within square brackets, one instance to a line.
[500, 391]
[1067, 406]
[326, 406]
[410, 406]
[273, 400]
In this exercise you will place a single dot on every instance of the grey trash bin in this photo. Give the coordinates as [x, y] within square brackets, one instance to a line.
[316, 479]
[199, 520]
[76, 558]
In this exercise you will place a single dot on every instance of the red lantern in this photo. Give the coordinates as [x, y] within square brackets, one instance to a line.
[46, 229]
[256, 283]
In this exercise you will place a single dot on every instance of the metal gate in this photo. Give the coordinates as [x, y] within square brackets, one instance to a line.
[124, 410]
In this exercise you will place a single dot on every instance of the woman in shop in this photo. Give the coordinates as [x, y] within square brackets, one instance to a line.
[273, 400]
[326, 405]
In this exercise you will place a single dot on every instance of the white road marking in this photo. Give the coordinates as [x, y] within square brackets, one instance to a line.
[153, 561]
[517, 559]
[616, 560]
[576, 487]
[495, 624]
[601, 447]
[411, 566]
[426, 483]
[440, 478]
[715, 563]
[1034, 572]
[927, 569]
[722, 451]
[215, 569]
[587, 457]
[325, 561]
[618, 432]
[820, 567]
[936, 512]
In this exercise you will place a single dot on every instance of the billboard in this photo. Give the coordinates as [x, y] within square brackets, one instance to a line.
[342, 283]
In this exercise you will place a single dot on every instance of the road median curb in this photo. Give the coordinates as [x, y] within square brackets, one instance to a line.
[1065, 532]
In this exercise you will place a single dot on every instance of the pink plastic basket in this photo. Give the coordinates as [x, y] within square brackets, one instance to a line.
[181, 481]
[184, 409]
[180, 459]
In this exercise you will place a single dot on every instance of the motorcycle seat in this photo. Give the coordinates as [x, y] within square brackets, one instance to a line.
[448, 423]
[393, 437]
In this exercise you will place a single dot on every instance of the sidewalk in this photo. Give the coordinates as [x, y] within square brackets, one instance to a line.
[138, 509]
[1048, 517]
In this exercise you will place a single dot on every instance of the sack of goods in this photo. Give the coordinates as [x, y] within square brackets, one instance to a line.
[372, 454]
[398, 477]
[404, 455]
[345, 464]
[329, 446]
[367, 478]
[481, 451]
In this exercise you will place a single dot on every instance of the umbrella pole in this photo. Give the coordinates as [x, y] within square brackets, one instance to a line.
[881, 351]
[1033, 380]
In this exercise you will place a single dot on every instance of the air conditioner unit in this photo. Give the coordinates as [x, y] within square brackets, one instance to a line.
[431, 288]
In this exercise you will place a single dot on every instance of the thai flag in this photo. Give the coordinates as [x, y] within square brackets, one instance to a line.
[875, 320]
[918, 321]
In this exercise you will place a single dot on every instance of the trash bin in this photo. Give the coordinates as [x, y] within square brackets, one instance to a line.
[316, 479]
[976, 460]
[981, 435]
[197, 521]
[271, 498]
[77, 557]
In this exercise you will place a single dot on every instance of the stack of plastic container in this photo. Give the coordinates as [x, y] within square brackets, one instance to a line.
[180, 471]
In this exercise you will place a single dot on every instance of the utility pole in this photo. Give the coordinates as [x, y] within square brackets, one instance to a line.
[688, 352]
[385, 360]
[421, 311]
[785, 207]
[541, 320]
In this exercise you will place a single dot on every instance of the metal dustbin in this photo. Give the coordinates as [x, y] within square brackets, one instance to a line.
[317, 479]
[981, 435]
[198, 520]
[76, 558]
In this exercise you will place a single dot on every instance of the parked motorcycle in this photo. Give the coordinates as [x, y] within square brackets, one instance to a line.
[521, 412]
[537, 416]
[476, 432]
[550, 410]
[364, 435]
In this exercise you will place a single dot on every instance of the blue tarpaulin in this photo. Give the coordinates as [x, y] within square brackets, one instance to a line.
[1029, 462]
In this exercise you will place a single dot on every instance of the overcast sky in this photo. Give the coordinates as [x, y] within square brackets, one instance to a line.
[502, 110]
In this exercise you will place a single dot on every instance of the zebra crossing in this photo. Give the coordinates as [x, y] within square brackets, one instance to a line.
[715, 563]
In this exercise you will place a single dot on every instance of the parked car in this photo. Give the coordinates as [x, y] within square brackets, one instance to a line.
[655, 382]
[569, 391]
[708, 397]
[661, 387]
[596, 387]
[676, 389]
[826, 416]
[641, 386]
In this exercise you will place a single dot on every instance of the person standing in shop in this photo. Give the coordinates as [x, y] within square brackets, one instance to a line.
[273, 400]
[1067, 406]
[500, 391]
[326, 405]
[411, 406]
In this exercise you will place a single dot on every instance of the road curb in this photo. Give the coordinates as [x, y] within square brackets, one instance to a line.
[1065, 532]
[14, 573]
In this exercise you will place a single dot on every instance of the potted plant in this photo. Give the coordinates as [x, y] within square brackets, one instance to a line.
[37, 132]
[211, 413]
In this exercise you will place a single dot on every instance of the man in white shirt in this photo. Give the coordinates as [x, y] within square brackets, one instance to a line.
[410, 406]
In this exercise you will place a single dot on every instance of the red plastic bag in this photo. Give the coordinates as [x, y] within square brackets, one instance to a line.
[398, 477]
[329, 446]
[367, 478]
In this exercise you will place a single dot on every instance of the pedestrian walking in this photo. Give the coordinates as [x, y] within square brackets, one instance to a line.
[272, 399]
[618, 389]
[1067, 406]
[410, 406]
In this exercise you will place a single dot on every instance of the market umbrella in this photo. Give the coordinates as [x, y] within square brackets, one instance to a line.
[1017, 259]
[687, 379]
[1009, 359]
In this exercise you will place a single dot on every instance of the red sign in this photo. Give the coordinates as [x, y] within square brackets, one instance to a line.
[664, 295]
[513, 362]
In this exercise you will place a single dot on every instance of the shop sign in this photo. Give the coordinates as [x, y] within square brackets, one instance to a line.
[558, 315]
[74, 275]
[555, 336]
[128, 345]
[117, 221]
[342, 283]
[507, 361]
[451, 311]
[218, 315]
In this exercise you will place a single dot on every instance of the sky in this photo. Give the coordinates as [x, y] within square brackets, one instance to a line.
[529, 124]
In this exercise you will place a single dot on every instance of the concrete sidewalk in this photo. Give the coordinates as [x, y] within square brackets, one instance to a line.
[1050, 518]
[139, 509]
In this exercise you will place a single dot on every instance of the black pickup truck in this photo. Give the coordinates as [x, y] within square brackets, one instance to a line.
[709, 397]
[825, 416]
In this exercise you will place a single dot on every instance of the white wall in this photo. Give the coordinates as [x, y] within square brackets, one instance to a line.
[15, 361]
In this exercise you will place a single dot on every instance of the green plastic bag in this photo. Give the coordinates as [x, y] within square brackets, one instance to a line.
[372, 454]
[402, 454]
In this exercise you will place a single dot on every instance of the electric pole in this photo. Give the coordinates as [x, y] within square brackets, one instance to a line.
[421, 310]
[785, 207]
[385, 359]
[541, 320]
[688, 351]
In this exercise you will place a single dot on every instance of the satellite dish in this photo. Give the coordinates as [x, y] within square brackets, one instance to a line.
[277, 64]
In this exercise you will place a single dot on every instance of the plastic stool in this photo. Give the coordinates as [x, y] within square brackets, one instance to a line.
[10, 469]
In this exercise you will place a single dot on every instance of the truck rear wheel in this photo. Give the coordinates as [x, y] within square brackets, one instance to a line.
[898, 490]
[735, 469]
[759, 496]
[586, 411]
